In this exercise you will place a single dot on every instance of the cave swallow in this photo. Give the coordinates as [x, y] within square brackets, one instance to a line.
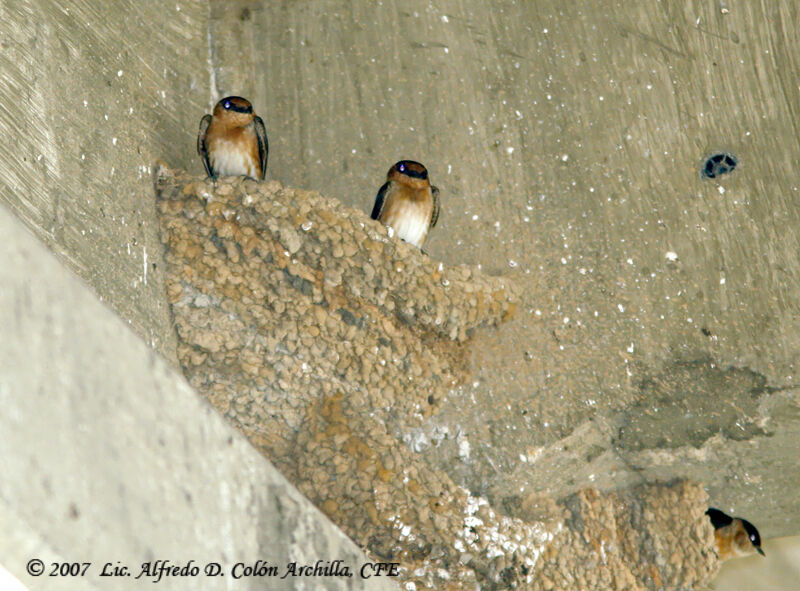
[407, 202]
[734, 536]
[233, 141]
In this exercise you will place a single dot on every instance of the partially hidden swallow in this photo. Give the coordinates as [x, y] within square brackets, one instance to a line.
[233, 141]
[407, 202]
[734, 536]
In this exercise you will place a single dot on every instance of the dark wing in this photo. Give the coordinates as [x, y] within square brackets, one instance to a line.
[263, 144]
[202, 148]
[380, 201]
[718, 518]
[435, 216]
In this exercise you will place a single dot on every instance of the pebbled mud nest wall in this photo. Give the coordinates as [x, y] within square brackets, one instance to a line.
[327, 342]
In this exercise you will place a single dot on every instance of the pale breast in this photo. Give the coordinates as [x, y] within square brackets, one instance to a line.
[233, 158]
[409, 219]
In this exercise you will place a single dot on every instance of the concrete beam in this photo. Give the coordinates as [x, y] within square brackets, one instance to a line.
[108, 455]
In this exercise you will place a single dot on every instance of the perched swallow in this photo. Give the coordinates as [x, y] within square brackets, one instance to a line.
[407, 202]
[233, 141]
[735, 537]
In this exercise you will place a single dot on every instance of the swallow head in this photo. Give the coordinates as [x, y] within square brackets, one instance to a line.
[734, 536]
[753, 539]
[235, 111]
[410, 173]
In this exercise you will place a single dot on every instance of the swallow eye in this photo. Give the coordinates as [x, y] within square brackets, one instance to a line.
[227, 104]
[402, 168]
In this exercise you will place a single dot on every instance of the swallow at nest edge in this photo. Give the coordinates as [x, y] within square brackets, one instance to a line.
[734, 536]
[407, 202]
[233, 141]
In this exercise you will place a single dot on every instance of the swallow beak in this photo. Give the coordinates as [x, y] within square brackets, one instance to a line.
[760, 551]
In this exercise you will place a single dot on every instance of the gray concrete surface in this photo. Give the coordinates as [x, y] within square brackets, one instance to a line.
[567, 140]
[766, 573]
[107, 454]
[92, 94]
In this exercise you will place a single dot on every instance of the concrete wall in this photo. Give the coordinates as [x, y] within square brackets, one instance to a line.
[108, 455]
[567, 139]
[92, 95]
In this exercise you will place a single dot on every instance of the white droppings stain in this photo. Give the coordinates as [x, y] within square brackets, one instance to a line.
[722, 281]
[463, 446]
[620, 307]
[721, 190]
[671, 256]
[119, 73]
[114, 141]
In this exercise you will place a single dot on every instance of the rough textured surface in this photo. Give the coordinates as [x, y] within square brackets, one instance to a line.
[646, 537]
[92, 94]
[108, 455]
[567, 139]
[279, 296]
[328, 343]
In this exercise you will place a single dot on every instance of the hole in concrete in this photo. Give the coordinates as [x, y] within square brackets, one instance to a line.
[719, 164]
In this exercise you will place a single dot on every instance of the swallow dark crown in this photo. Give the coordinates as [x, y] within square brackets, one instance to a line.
[237, 104]
[412, 169]
[752, 533]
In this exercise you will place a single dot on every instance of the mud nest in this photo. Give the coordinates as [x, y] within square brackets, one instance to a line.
[325, 340]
